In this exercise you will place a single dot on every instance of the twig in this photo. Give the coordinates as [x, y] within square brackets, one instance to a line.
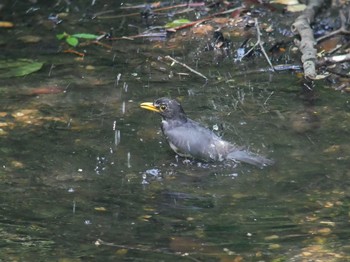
[341, 30]
[173, 29]
[277, 68]
[186, 66]
[96, 43]
[102, 44]
[248, 52]
[286, 67]
[260, 43]
[333, 59]
[131, 14]
[267, 99]
[157, 4]
[143, 35]
[205, 19]
[71, 51]
[155, 10]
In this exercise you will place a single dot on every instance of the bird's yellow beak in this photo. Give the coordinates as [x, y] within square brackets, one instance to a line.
[149, 106]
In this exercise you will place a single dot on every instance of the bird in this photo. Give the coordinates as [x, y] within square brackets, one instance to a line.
[190, 139]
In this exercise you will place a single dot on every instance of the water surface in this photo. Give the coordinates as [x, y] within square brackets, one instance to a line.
[87, 176]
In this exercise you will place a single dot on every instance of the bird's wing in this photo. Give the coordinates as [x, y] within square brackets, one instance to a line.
[196, 141]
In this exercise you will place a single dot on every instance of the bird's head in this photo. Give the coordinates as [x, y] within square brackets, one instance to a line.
[169, 109]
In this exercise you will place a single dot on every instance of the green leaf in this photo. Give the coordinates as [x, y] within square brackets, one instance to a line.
[73, 41]
[177, 22]
[19, 67]
[86, 36]
[61, 36]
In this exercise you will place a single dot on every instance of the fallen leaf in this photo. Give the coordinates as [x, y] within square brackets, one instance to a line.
[19, 67]
[6, 24]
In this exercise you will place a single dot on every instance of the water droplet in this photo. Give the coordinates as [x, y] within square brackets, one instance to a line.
[118, 78]
[123, 107]
[117, 137]
[87, 222]
[128, 159]
[125, 87]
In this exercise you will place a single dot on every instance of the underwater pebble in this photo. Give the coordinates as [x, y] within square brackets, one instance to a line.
[121, 252]
[29, 38]
[90, 67]
[328, 204]
[274, 246]
[2, 132]
[272, 237]
[306, 254]
[324, 231]
[329, 223]
[17, 164]
[332, 149]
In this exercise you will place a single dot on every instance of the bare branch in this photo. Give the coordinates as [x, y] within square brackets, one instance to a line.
[307, 43]
[186, 66]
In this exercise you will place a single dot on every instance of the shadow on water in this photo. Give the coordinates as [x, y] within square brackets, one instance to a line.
[87, 176]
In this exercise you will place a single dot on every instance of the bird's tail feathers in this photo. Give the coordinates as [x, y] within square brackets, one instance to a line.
[250, 158]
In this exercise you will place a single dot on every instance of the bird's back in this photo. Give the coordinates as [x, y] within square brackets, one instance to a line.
[190, 139]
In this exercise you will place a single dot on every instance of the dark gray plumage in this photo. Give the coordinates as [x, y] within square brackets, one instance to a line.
[190, 139]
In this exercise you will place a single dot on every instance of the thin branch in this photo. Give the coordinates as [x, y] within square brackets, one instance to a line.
[261, 45]
[154, 10]
[334, 59]
[186, 66]
[341, 30]
[143, 35]
[199, 21]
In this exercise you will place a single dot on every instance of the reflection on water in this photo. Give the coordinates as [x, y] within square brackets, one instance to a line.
[87, 175]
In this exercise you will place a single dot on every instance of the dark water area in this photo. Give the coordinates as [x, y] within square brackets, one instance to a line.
[86, 174]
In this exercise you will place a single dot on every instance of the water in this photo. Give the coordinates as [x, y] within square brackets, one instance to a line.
[87, 176]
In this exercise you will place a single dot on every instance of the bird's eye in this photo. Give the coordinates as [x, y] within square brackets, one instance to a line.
[162, 107]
